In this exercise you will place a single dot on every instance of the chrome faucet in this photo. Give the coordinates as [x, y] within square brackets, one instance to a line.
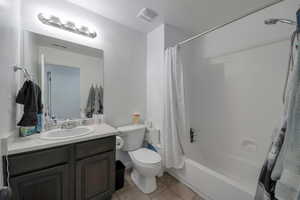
[50, 123]
[68, 124]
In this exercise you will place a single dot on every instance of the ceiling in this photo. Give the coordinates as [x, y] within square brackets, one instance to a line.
[192, 16]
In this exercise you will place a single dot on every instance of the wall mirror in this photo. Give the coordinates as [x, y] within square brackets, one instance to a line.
[70, 76]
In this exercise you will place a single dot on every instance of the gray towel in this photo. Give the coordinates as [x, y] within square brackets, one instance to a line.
[266, 185]
[101, 99]
[288, 186]
[89, 110]
[97, 101]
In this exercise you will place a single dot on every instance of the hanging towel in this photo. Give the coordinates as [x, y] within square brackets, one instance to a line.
[266, 186]
[89, 110]
[101, 99]
[30, 96]
[97, 100]
[272, 167]
[288, 185]
[276, 182]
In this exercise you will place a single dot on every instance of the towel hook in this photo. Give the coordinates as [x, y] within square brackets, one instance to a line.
[24, 70]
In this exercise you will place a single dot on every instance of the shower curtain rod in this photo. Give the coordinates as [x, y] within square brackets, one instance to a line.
[227, 23]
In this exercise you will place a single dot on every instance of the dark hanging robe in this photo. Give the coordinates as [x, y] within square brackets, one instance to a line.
[30, 96]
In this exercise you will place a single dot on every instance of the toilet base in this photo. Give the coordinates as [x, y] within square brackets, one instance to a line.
[144, 183]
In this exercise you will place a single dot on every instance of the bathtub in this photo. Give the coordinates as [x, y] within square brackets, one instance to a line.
[212, 184]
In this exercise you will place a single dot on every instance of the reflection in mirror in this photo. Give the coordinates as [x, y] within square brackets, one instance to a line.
[70, 76]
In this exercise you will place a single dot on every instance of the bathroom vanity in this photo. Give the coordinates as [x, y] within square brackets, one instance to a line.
[81, 168]
[74, 159]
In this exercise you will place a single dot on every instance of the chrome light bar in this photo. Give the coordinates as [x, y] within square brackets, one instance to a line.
[68, 26]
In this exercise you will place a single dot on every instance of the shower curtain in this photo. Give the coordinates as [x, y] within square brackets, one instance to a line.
[174, 119]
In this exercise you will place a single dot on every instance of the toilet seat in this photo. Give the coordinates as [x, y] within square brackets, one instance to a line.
[146, 166]
[146, 156]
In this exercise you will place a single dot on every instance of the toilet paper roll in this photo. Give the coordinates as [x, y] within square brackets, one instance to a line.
[119, 143]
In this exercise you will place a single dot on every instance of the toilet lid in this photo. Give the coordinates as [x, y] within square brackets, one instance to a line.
[147, 156]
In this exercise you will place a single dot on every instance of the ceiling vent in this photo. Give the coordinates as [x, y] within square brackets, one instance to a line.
[147, 14]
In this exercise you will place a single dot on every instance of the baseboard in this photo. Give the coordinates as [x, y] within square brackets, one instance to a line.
[128, 165]
[186, 182]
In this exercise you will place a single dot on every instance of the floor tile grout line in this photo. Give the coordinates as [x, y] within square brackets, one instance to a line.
[166, 182]
[177, 195]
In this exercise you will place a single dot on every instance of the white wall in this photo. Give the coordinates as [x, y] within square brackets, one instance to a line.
[173, 35]
[155, 61]
[124, 50]
[9, 56]
[91, 68]
[30, 55]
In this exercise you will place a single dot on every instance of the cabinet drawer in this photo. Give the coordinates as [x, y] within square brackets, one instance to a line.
[94, 147]
[32, 161]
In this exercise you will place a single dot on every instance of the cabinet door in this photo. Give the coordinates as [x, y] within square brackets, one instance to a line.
[95, 177]
[48, 184]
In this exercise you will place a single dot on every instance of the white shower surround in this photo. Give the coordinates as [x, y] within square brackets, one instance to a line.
[211, 184]
[235, 78]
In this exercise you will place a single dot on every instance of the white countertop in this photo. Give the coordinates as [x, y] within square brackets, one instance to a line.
[34, 142]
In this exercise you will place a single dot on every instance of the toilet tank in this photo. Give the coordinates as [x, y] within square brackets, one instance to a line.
[133, 136]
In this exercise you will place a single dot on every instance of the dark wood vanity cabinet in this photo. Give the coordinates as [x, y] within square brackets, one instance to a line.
[80, 171]
[48, 184]
[93, 176]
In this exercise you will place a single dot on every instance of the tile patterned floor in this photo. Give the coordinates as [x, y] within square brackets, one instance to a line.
[168, 189]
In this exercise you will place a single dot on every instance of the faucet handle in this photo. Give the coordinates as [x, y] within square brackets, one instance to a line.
[68, 124]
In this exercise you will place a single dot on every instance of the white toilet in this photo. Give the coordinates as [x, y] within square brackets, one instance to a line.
[146, 163]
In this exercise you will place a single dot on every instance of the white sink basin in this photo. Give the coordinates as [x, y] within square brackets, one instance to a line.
[60, 134]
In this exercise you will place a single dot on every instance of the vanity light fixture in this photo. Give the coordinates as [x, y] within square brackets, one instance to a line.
[68, 25]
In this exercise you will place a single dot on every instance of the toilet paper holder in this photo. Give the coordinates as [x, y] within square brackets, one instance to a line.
[119, 142]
